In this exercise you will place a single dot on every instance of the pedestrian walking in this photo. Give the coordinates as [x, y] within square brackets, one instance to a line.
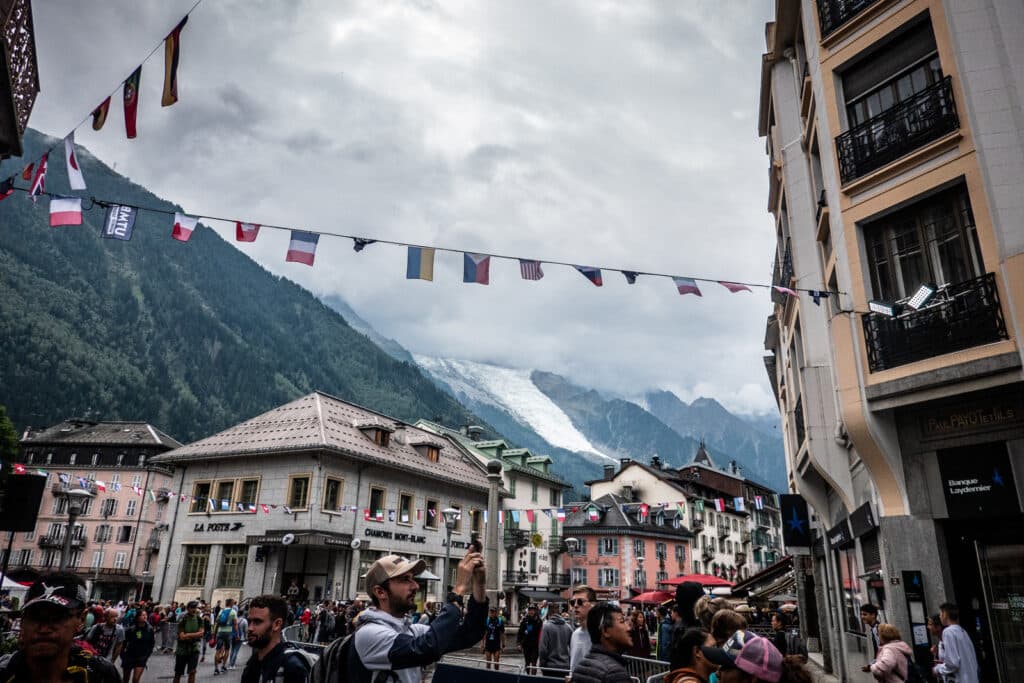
[139, 641]
[641, 646]
[227, 631]
[583, 599]
[869, 617]
[894, 656]
[107, 639]
[494, 637]
[610, 638]
[241, 635]
[528, 639]
[191, 634]
[959, 661]
[555, 638]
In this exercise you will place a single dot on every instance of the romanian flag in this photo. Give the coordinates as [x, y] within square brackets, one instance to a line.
[420, 264]
[131, 101]
[246, 232]
[302, 247]
[592, 274]
[172, 47]
[476, 268]
[686, 285]
[99, 114]
[183, 227]
[65, 211]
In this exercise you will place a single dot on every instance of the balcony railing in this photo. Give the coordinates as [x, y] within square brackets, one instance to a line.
[697, 524]
[559, 580]
[798, 422]
[516, 538]
[834, 13]
[783, 273]
[964, 315]
[723, 530]
[741, 558]
[556, 545]
[899, 130]
[58, 542]
[706, 554]
[58, 488]
[518, 578]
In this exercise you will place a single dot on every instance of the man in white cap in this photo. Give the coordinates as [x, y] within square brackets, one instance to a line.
[387, 640]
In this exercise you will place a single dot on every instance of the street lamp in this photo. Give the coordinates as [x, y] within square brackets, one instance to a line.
[451, 517]
[572, 546]
[643, 577]
[76, 502]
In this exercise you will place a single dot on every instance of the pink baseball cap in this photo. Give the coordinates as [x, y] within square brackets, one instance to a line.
[761, 658]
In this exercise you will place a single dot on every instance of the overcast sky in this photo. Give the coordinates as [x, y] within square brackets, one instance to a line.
[621, 134]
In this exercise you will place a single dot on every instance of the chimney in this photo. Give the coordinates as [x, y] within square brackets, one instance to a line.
[609, 472]
[474, 432]
[656, 462]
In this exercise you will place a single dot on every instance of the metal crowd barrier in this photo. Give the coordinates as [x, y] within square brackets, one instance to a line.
[644, 669]
[473, 663]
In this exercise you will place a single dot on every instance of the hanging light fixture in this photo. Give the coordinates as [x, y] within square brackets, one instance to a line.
[922, 296]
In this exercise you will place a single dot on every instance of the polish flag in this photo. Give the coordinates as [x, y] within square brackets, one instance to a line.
[302, 248]
[65, 211]
[246, 232]
[101, 486]
[183, 227]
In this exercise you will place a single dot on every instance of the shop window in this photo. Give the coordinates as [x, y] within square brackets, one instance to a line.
[197, 559]
[405, 508]
[848, 574]
[333, 488]
[232, 568]
[432, 513]
[298, 492]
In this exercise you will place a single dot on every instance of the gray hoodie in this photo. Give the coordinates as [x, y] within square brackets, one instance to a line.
[554, 643]
[387, 643]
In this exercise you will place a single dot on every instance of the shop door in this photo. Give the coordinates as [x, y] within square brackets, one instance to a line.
[1002, 572]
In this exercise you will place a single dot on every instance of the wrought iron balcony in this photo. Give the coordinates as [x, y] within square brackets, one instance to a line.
[723, 530]
[741, 558]
[58, 488]
[834, 13]
[58, 542]
[153, 545]
[163, 494]
[697, 524]
[516, 538]
[556, 545]
[562, 580]
[706, 554]
[964, 315]
[19, 75]
[897, 131]
[516, 578]
[783, 273]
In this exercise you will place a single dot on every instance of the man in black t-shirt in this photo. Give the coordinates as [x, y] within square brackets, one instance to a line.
[270, 656]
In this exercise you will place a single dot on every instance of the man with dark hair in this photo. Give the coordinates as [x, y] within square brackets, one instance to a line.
[186, 652]
[869, 617]
[270, 653]
[528, 639]
[53, 613]
[959, 661]
[609, 637]
[583, 598]
[139, 641]
[227, 630]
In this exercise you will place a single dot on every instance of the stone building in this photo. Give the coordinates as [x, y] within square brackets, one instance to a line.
[896, 160]
[118, 541]
[311, 493]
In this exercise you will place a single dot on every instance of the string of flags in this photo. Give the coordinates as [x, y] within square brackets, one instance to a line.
[380, 514]
[120, 218]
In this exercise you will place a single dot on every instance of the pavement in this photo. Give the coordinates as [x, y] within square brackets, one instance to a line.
[161, 668]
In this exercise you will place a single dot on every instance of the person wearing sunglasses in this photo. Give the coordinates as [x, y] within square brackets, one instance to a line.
[583, 598]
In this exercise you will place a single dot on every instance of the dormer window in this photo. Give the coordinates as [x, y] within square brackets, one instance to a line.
[378, 432]
[429, 450]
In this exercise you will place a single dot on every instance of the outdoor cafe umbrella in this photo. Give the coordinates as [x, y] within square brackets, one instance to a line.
[702, 579]
[651, 597]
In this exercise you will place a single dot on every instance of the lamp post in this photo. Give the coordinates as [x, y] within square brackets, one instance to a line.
[572, 546]
[76, 502]
[451, 516]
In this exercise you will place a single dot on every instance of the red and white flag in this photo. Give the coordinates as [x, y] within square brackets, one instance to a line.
[19, 468]
[75, 176]
[183, 226]
[246, 232]
[720, 504]
[65, 211]
[101, 486]
[39, 181]
[138, 490]
[784, 290]
[266, 510]
[734, 286]
[530, 270]
[302, 247]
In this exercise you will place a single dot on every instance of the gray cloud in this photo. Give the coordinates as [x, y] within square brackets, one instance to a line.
[604, 133]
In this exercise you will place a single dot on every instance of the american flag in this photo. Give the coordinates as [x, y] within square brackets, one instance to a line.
[530, 270]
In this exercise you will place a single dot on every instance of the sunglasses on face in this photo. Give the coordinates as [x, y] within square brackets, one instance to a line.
[578, 602]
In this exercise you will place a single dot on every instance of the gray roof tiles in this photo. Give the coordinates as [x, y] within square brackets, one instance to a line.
[74, 432]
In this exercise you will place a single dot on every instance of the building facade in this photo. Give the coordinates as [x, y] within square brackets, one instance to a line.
[896, 156]
[621, 547]
[118, 540]
[533, 547]
[308, 495]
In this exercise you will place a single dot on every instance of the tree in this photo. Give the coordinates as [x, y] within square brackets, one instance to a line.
[8, 438]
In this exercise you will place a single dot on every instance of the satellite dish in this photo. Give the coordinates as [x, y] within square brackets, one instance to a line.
[356, 542]
[288, 539]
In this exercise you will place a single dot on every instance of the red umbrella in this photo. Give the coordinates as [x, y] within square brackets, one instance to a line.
[651, 597]
[702, 579]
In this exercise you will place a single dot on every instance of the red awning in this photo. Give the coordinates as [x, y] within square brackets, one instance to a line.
[651, 597]
[702, 579]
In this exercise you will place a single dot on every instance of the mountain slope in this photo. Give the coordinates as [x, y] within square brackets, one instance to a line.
[191, 337]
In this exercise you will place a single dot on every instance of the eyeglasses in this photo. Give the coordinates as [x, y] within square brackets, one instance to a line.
[578, 602]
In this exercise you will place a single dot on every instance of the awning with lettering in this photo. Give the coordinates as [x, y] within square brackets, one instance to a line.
[314, 539]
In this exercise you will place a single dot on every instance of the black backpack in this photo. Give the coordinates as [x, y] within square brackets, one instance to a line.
[795, 644]
[340, 663]
[914, 673]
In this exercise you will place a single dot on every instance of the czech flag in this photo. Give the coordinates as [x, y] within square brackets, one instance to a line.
[183, 227]
[65, 211]
[420, 264]
[592, 274]
[476, 268]
[302, 248]
[686, 285]
[246, 232]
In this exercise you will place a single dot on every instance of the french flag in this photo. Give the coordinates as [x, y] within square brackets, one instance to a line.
[686, 285]
[183, 227]
[65, 211]
[476, 268]
[592, 274]
[246, 232]
[302, 247]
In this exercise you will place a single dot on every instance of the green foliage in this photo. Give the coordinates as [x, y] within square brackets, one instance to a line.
[191, 337]
[8, 438]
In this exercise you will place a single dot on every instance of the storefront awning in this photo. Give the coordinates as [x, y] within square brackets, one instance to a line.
[533, 594]
[314, 539]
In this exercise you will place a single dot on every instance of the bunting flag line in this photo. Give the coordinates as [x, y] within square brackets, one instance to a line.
[720, 504]
[266, 510]
[101, 486]
[530, 516]
[686, 285]
[419, 264]
[530, 270]
[739, 504]
[183, 227]
[39, 181]
[99, 114]
[591, 273]
[246, 232]
[758, 503]
[65, 211]
[699, 504]
[6, 188]
[515, 516]
[734, 287]
[131, 102]
[593, 514]
[476, 268]
[19, 468]
[302, 247]
[26, 173]
[119, 222]
[631, 276]
[287, 510]
[75, 177]
[784, 290]
[172, 50]
[560, 514]
[358, 243]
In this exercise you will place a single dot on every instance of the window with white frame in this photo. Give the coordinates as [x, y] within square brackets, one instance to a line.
[606, 577]
[660, 551]
[130, 511]
[578, 575]
[608, 546]
[638, 547]
[120, 560]
[638, 578]
[136, 480]
[97, 559]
